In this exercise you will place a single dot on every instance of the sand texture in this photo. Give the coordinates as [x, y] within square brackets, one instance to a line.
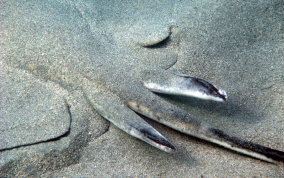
[57, 55]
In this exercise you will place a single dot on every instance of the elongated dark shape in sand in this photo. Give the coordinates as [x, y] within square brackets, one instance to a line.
[200, 130]
[188, 86]
[155, 108]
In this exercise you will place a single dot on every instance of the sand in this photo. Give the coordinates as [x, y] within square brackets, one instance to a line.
[236, 45]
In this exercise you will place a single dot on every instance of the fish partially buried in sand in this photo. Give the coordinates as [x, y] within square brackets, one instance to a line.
[155, 108]
[117, 85]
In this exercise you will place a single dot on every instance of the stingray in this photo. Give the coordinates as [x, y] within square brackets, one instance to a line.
[118, 85]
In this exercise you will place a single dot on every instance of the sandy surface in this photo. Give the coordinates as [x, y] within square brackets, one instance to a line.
[236, 45]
